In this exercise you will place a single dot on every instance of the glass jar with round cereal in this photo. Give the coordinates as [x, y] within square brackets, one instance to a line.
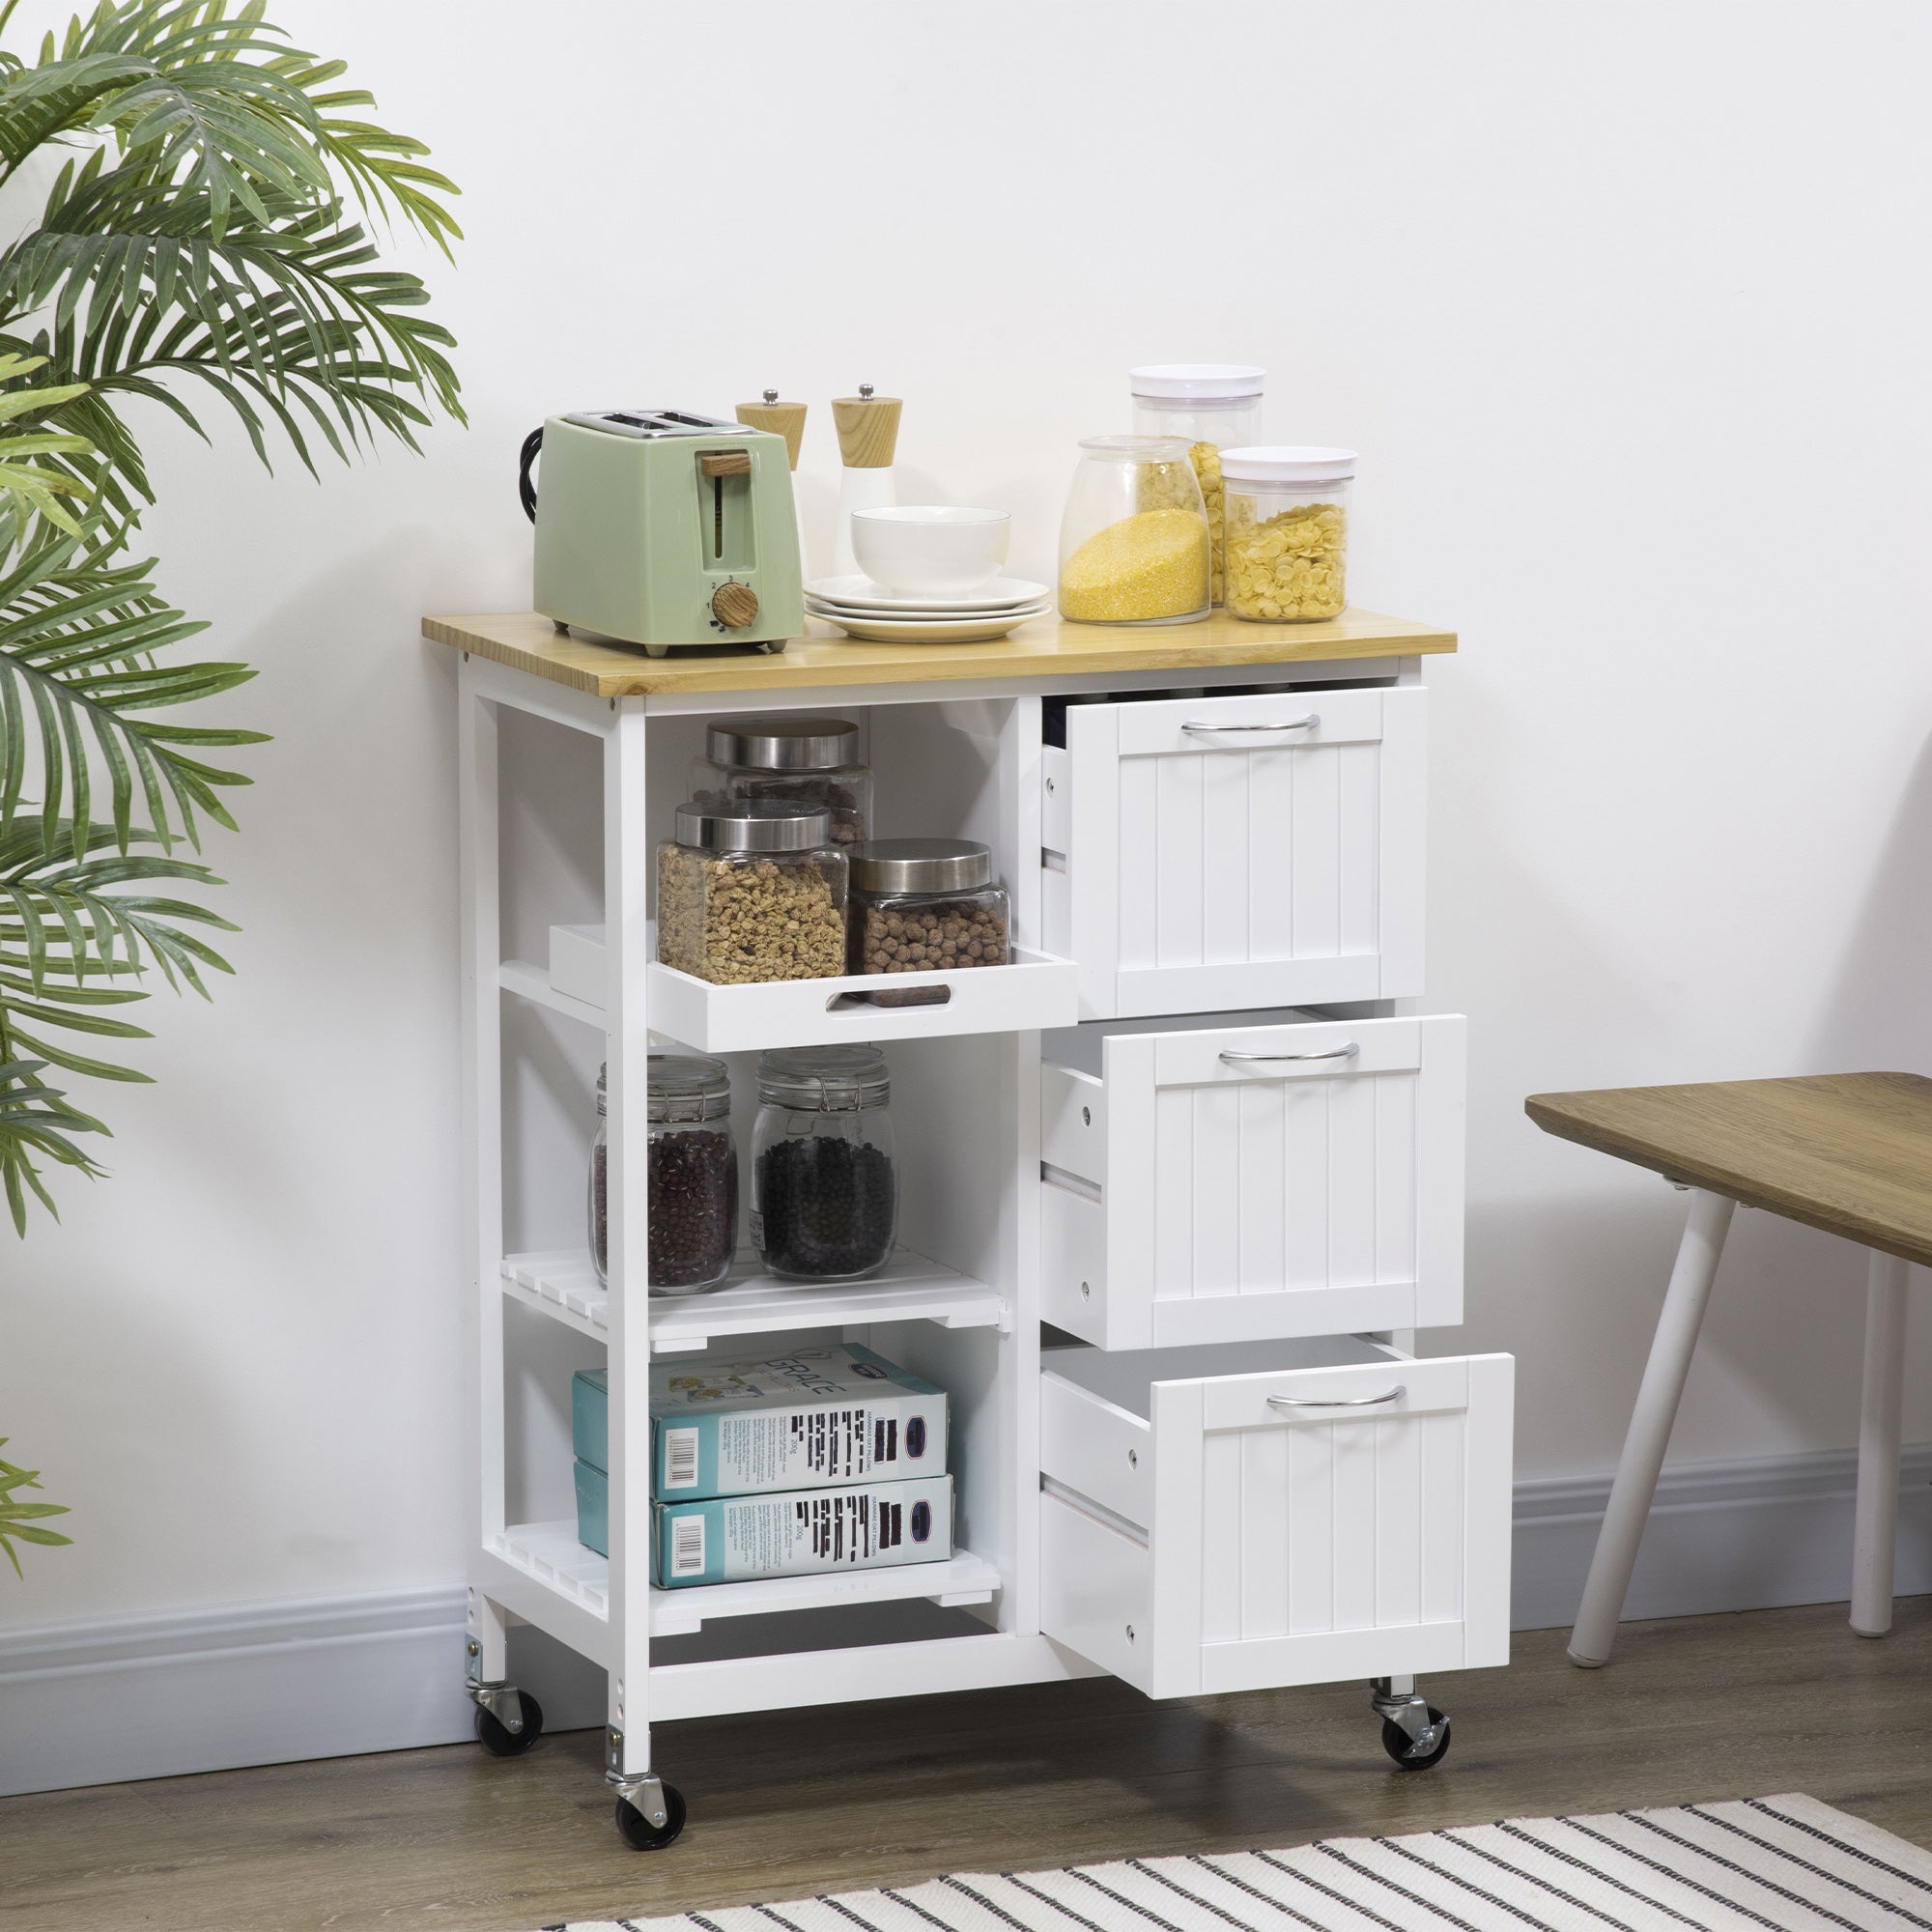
[1287, 532]
[925, 905]
[1215, 406]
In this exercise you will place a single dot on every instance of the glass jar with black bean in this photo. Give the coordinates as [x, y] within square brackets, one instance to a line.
[800, 755]
[825, 1190]
[691, 1164]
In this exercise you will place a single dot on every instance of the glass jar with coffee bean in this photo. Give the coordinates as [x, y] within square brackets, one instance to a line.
[692, 1180]
[825, 1189]
[925, 905]
[750, 889]
[800, 755]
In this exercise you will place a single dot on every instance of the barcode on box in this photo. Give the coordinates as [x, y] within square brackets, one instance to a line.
[687, 1545]
[681, 1462]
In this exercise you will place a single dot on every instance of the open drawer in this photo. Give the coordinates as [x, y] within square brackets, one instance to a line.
[1221, 1182]
[1300, 1514]
[1207, 853]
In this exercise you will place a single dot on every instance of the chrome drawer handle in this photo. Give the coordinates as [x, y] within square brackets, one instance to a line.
[1395, 1394]
[1307, 723]
[1333, 1053]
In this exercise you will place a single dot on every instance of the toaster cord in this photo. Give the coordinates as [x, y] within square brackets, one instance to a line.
[526, 490]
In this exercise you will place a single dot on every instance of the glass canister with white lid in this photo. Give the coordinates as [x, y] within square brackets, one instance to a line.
[1287, 532]
[1216, 406]
[925, 905]
[825, 1189]
[692, 1176]
[1133, 537]
[752, 890]
[802, 756]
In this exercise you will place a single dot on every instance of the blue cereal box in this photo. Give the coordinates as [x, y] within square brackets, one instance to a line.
[735, 1539]
[816, 1417]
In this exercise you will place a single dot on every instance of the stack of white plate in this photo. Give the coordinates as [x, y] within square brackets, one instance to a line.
[864, 609]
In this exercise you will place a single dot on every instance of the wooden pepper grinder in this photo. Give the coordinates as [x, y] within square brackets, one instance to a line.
[785, 420]
[868, 433]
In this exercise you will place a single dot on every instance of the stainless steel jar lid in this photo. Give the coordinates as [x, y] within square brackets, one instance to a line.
[920, 865]
[752, 825]
[683, 1087]
[783, 741]
[824, 1079]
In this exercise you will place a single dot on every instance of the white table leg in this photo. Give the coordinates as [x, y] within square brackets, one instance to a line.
[1670, 1350]
[1878, 1414]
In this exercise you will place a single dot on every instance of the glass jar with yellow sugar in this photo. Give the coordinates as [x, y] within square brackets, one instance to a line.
[1133, 541]
[1287, 532]
[1213, 406]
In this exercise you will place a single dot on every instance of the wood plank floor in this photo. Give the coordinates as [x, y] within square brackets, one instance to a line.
[815, 1801]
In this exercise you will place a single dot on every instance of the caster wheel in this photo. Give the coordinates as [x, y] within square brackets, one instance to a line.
[1400, 1747]
[775, 647]
[639, 1834]
[500, 1740]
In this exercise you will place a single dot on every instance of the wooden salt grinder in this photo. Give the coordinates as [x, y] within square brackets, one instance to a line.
[868, 433]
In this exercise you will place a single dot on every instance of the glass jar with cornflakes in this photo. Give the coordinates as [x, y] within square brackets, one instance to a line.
[1287, 532]
[1215, 406]
[1134, 540]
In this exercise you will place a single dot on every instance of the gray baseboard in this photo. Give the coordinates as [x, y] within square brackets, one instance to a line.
[152, 1696]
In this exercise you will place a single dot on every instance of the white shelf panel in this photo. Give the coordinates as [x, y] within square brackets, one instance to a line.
[551, 1553]
[563, 1285]
[1037, 991]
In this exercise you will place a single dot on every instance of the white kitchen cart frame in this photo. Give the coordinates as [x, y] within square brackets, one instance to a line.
[1300, 1503]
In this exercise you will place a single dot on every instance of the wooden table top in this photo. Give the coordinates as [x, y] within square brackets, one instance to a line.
[1847, 1153]
[825, 656]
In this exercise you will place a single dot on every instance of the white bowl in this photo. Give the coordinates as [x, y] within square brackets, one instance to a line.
[930, 550]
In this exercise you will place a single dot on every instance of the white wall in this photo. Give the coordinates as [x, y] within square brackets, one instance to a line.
[1625, 309]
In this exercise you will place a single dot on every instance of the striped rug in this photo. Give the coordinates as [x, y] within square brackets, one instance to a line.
[1788, 1862]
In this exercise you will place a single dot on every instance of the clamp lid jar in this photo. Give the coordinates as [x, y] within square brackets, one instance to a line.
[1134, 539]
[1287, 531]
[1216, 406]
[823, 1177]
[801, 757]
[752, 890]
[692, 1163]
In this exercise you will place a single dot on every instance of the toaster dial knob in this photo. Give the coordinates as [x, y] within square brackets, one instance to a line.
[734, 605]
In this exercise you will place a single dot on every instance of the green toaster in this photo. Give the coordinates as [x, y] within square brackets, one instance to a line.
[661, 528]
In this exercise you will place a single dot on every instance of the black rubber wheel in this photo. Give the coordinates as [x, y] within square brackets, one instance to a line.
[499, 1739]
[1398, 1744]
[639, 1834]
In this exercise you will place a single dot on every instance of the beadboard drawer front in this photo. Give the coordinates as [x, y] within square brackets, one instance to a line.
[1261, 1544]
[1252, 861]
[1189, 1196]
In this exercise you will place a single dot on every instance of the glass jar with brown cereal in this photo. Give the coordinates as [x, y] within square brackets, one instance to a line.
[1213, 406]
[925, 905]
[1287, 532]
[752, 890]
[802, 756]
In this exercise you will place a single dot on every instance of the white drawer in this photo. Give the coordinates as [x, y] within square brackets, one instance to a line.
[1189, 1196]
[1196, 1537]
[1208, 853]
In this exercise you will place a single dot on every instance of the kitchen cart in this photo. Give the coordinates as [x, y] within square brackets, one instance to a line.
[1176, 1185]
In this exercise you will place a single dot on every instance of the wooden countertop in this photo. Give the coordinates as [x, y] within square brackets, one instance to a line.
[1847, 1153]
[825, 656]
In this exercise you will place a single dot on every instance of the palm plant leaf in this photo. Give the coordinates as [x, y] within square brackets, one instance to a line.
[207, 238]
[23, 1523]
